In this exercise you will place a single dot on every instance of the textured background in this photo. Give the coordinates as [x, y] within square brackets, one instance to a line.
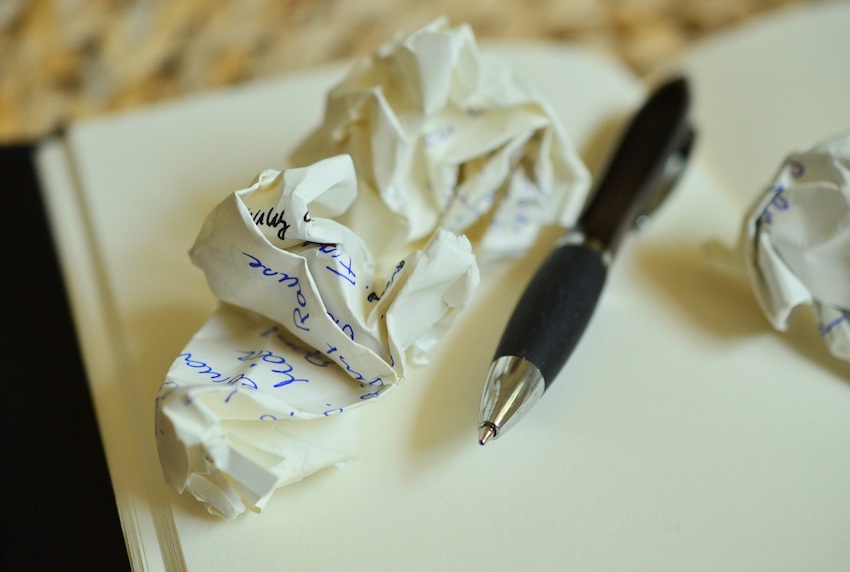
[62, 60]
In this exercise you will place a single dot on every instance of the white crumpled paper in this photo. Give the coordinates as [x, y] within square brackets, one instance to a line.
[797, 241]
[336, 275]
[305, 331]
[443, 137]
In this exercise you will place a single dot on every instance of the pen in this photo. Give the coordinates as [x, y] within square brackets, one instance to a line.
[557, 305]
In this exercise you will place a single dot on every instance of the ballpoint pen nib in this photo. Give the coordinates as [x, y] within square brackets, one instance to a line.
[486, 433]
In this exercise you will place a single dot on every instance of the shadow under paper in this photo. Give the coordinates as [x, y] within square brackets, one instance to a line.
[723, 303]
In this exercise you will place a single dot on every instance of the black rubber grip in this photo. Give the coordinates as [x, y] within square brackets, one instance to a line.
[555, 309]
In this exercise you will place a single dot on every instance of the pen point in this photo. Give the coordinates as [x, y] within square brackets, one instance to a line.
[513, 385]
[486, 433]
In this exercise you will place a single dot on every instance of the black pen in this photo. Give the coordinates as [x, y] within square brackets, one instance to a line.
[556, 307]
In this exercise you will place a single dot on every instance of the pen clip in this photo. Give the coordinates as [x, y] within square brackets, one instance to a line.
[674, 168]
[651, 154]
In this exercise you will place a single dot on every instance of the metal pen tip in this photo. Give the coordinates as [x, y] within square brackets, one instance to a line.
[486, 433]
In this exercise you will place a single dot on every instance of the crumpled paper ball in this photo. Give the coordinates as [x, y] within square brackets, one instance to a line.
[796, 241]
[305, 333]
[441, 136]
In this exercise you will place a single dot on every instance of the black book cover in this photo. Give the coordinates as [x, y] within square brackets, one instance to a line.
[59, 509]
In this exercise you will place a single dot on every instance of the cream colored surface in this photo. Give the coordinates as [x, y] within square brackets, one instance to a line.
[684, 435]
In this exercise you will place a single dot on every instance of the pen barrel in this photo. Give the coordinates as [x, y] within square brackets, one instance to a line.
[555, 309]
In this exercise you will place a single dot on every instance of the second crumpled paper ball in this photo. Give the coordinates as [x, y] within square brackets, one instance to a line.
[443, 137]
[305, 332]
[797, 241]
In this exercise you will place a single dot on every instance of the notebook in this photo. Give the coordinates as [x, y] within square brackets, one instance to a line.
[685, 433]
